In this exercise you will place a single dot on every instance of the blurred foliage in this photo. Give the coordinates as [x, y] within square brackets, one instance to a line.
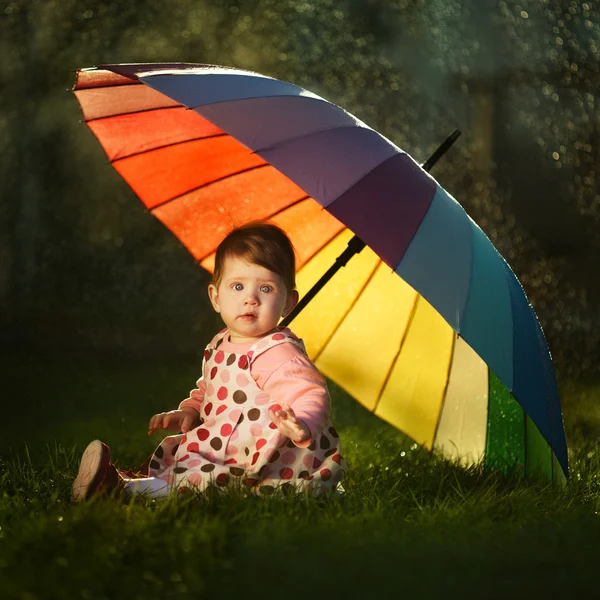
[83, 266]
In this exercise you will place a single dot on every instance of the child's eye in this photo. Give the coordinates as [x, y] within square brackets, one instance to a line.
[266, 289]
[238, 287]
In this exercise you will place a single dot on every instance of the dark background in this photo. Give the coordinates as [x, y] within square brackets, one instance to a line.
[85, 271]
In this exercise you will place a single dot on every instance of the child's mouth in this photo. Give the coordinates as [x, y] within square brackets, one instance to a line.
[248, 317]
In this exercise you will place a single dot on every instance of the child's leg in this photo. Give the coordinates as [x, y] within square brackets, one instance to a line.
[150, 487]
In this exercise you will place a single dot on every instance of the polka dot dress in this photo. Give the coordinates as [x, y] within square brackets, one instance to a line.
[237, 443]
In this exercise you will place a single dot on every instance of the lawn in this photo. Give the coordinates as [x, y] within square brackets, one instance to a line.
[409, 524]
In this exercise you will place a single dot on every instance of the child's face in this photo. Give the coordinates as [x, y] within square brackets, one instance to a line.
[251, 299]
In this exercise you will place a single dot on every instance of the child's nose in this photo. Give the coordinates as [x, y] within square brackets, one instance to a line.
[252, 298]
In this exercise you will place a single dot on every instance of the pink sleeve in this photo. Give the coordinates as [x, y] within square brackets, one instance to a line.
[289, 377]
[196, 397]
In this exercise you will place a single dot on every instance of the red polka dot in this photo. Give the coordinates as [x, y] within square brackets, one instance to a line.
[222, 479]
[250, 354]
[193, 447]
[260, 443]
[221, 409]
[184, 439]
[325, 474]
[286, 473]
[243, 362]
[213, 372]
[272, 425]
[316, 463]
[222, 393]
[255, 458]
[202, 434]
[230, 461]
[219, 356]
[208, 408]
[278, 336]
[275, 407]
[206, 355]
[226, 430]
[337, 458]
[183, 458]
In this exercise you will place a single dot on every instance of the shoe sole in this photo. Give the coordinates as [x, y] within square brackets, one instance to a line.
[91, 461]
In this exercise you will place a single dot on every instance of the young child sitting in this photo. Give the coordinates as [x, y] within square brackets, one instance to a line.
[259, 416]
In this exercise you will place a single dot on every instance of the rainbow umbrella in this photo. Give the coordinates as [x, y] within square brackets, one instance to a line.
[427, 327]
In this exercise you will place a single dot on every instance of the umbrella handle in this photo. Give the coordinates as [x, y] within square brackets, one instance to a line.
[355, 245]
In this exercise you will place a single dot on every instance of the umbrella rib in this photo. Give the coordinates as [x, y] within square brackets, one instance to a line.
[352, 305]
[206, 137]
[131, 112]
[387, 377]
[450, 363]
[208, 183]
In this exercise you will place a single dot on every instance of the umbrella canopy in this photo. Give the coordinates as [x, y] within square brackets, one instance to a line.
[428, 327]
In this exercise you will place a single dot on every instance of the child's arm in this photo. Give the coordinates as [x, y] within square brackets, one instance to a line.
[298, 387]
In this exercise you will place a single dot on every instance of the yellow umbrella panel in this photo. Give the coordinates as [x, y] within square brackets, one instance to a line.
[383, 343]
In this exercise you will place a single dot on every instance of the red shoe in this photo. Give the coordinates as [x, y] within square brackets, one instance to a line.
[97, 475]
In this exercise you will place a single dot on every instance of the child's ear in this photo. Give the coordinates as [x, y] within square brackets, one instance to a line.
[290, 303]
[213, 294]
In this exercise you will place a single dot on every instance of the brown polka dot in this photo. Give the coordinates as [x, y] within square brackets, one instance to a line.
[154, 465]
[246, 451]
[303, 474]
[236, 471]
[263, 471]
[241, 418]
[267, 490]
[290, 444]
[313, 445]
[230, 360]
[333, 432]
[239, 397]
[330, 451]
[216, 443]
[254, 414]
[222, 479]
[324, 443]
[288, 489]
[207, 468]
[159, 452]
[274, 456]
[174, 449]
[179, 470]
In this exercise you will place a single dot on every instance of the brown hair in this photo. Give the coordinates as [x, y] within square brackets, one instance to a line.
[260, 243]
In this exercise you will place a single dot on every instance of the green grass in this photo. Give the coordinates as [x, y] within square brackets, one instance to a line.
[409, 523]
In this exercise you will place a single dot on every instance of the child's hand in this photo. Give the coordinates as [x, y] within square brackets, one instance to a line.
[288, 424]
[175, 420]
